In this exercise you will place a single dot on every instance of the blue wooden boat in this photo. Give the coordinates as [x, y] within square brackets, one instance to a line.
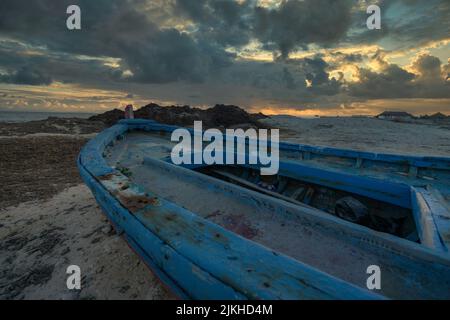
[219, 232]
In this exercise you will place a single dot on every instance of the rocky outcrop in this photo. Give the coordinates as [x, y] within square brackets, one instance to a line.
[109, 118]
[436, 116]
[220, 116]
[174, 115]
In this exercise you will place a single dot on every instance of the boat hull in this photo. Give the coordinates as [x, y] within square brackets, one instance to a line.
[199, 259]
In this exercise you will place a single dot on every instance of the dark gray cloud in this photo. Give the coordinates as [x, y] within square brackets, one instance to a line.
[292, 24]
[318, 76]
[301, 23]
[347, 57]
[228, 23]
[305, 79]
[113, 28]
[63, 67]
[427, 81]
[405, 23]
[428, 67]
[420, 23]
[393, 82]
[27, 76]
[431, 77]
[297, 24]
[140, 37]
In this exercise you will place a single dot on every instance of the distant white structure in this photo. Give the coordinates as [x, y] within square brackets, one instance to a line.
[395, 115]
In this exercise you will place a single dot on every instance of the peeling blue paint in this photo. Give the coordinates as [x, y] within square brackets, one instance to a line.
[190, 254]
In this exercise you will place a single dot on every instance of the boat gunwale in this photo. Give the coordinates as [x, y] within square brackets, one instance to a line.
[93, 167]
[423, 162]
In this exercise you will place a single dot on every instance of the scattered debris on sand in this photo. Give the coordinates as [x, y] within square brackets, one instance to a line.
[40, 239]
[52, 125]
[37, 167]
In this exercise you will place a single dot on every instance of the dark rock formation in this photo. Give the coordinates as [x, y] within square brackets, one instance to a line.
[436, 116]
[259, 116]
[109, 118]
[220, 116]
[181, 116]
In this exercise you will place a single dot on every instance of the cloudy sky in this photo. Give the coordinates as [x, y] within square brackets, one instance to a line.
[310, 57]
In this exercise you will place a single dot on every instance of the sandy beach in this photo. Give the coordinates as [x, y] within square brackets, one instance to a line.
[49, 219]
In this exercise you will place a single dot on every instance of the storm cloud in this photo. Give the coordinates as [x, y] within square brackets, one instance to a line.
[113, 28]
[28, 76]
[310, 52]
[301, 23]
[427, 81]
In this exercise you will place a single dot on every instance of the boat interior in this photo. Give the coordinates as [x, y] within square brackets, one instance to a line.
[327, 213]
